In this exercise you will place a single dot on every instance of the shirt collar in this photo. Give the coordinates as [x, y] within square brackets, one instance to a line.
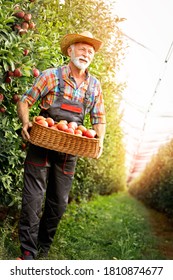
[69, 73]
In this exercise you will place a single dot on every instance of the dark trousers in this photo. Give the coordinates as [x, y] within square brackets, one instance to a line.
[45, 172]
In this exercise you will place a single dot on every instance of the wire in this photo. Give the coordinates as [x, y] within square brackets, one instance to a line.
[151, 102]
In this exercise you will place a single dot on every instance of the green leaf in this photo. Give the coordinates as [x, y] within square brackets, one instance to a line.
[5, 65]
[11, 63]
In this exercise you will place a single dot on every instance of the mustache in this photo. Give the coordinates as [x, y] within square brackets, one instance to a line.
[83, 58]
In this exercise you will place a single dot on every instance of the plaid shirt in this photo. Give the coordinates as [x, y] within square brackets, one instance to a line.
[46, 88]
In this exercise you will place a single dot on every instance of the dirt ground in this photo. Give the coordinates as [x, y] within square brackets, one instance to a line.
[163, 230]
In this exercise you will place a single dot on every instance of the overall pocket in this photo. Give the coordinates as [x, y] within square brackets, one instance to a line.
[69, 164]
[37, 155]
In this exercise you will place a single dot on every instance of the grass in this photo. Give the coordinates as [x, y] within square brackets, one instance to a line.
[106, 228]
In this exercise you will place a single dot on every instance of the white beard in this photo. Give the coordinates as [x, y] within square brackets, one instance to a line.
[76, 61]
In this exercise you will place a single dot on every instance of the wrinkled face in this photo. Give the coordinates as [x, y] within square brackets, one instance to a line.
[81, 55]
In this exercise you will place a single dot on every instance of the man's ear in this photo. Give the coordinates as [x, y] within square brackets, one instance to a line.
[69, 50]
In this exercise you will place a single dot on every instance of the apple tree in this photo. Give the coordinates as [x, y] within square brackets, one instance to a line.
[30, 33]
[17, 71]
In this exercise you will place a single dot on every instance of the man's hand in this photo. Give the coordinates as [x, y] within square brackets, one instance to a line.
[100, 130]
[100, 149]
[23, 113]
[25, 131]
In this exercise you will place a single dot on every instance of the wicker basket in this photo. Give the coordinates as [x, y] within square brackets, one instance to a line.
[63, 142]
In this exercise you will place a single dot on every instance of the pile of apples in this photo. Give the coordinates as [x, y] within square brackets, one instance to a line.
[63, 125]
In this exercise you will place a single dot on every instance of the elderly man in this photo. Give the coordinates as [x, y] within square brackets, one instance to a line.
[47, 171]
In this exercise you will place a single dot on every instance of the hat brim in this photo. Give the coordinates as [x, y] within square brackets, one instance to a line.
[70, 39]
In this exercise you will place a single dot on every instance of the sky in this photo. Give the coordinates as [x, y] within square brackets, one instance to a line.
[150, 23]
[149, 93]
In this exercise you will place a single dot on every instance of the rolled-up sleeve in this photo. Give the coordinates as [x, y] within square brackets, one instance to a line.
[42, 85]
[97, 114]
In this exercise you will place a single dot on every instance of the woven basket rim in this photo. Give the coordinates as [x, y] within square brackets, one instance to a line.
[61, 141]
[65, 133]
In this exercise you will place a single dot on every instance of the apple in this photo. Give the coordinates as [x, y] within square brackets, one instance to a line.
[27, 17]
[22, 31]
[72, 125]
[78, 132]
[39, 118]
[25, 52]
[8, 79]
[63, 121]
[70, 130]
[17, 72]
[1, 97]
[15, 98]
[35, 72]
[50, 121]
[43, 123]
[82, 128]
[25, 25]
[23, 146]
[10, 73]
[20, 14]
[17, 27]
[90, 133]
[31, 25]
[2, 110]
[54, 127]
[62, 126]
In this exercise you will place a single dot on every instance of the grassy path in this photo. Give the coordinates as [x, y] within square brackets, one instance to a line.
[110, 227]
[107, 228]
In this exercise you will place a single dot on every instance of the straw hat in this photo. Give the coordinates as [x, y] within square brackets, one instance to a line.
[84, 37]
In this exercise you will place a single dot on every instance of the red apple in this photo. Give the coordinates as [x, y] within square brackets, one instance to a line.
[72, 125]
[63, 121]
[25, 25]
[70, 130]
[50, 121]
[78, 132]
[27, 17]
[2, 110]
[35, 72]
[8, 79]
[1, 97]
[20, 14]
[22, 31]
[25, 52]
[43, 123]
[23, 146]
[17, 27]
[39, 118]
[31, 25]
[82, 128]
[15, 98]
[10, 73]
[62, 126]
[90, 133]
[17, 72]
[54, 127]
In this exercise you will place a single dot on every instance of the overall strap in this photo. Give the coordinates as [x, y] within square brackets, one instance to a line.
[61, 87]
[87, 93]
[61, 82]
